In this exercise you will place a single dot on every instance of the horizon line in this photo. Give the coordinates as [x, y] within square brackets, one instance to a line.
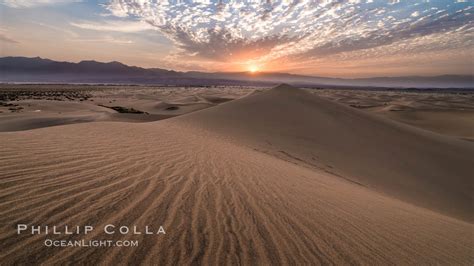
[237, 72]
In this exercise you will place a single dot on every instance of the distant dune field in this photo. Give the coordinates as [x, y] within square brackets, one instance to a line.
[446, 112]
[280, 176]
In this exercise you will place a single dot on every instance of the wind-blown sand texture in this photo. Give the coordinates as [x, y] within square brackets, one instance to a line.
[278, 177]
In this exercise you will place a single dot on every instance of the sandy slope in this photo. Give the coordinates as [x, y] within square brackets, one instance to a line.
[220, 200]
[426, 169]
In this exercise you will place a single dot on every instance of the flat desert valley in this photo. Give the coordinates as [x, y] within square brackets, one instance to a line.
[237, 175]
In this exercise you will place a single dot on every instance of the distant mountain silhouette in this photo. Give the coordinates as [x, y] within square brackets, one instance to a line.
[46, 66]
[24, 69]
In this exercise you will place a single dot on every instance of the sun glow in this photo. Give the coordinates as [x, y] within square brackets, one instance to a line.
[253, 69]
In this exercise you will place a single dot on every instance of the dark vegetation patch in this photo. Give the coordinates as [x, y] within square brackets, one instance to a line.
[124, 110]
[15, 109]
[361, 106]
[218, 100]
[7, 104]
[172, 108]
[32, 93]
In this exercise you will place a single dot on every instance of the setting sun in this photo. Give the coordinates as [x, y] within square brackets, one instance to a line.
[253, 69]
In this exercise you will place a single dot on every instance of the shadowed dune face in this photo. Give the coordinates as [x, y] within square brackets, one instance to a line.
[219, 197]
[426, 169]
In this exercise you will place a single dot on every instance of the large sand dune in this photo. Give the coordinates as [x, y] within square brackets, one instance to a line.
[426, 169]
[265, 179]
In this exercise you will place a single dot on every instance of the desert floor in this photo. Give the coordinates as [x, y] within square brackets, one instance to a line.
[238, 175]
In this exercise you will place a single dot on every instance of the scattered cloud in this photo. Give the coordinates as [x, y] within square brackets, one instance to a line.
[34, 3]
[106, 39]
[119, 26]
[4, 38]
[60, 29]
[268, 30]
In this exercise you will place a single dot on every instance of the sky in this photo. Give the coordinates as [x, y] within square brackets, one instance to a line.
[333, 38]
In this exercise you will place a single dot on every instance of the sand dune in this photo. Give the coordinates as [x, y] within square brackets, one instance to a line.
[426, 169]
[233, 184]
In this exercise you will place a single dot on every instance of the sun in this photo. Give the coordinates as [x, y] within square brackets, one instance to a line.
[253, 69]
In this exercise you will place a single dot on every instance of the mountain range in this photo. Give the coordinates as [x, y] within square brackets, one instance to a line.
[36, 69]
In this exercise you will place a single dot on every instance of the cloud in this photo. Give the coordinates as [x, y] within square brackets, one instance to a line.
[107, 39]
[268, 30]
[119, 26]
[4, 38]
[34, 3]
[404, 33]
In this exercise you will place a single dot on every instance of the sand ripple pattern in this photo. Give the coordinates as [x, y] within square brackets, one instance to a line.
[220, 203]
